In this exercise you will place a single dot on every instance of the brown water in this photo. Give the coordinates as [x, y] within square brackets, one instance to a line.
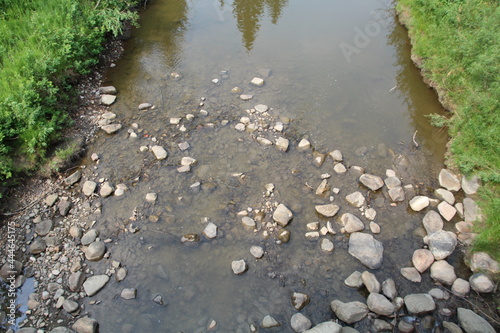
[341, 89]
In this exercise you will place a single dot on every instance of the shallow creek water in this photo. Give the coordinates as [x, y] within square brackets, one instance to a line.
[326, 83]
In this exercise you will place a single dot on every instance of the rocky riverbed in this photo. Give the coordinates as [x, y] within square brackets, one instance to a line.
[82, 237]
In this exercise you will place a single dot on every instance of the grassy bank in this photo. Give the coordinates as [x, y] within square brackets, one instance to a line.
[456, 44]
[44, 46]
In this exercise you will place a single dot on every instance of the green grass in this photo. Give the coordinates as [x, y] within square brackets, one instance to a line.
[44, 46]
[458, 45]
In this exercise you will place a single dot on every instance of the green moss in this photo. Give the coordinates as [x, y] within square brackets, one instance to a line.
[457, 43]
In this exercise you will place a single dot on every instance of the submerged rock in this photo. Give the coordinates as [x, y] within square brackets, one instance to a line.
[328, 210]
[300, 323]
[372, 182]
[239, 266]
[282, 215]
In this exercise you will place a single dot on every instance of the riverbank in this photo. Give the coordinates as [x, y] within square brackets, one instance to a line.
[46, 48]
[455, 46]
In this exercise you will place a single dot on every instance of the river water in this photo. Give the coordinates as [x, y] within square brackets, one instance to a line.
[337, 73]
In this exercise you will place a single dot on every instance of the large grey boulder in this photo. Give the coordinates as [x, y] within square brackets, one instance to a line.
[473, 323]
[442, 243]
[366, 249]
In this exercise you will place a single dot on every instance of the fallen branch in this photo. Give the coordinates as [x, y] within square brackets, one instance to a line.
[415, 142]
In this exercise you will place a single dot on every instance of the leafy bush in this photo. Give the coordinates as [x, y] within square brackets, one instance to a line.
[43, 43]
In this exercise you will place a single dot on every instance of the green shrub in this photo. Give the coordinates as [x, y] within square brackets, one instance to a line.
[43, 44]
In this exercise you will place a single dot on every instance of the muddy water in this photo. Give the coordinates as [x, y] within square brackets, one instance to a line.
[338, 73]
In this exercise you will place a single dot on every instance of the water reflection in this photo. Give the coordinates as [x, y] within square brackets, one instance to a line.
[248, 14]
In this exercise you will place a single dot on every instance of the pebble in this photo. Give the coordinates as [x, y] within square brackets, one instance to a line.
[481, 283]
[282, 144]
[257, 81]
[210, 231]
[300, 323]
[239, 266]
[327, 245]
[257, 251]
[371, 181]
[129, 293]
[269, 322]
[159, 152]
[356, 199]
[448, 180]
[419, 202]
[328, 210]
[261, 108]
[304, 144]
[443, 272]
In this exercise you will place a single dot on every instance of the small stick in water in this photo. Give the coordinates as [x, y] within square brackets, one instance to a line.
[415, 142]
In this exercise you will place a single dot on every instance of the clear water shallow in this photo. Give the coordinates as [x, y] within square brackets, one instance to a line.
[375, 98]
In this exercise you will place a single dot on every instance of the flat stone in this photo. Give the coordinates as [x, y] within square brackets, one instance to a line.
[257, 251]
[188, 161]
[448, 180]
[419, 304]
[473, 323]
[89, 237]
[51, 199]
[328, 210]
[460, 287]
[269, 322]
[422, 259]
[405, 327]
[432, 222]
[470, 185]
[446, 210]
[89, 187]
[210, 230]
[282, 144]
[326, 327]
[351, 223]
[151, 197]
[300, 323]
[481, 283]
[471, 211]
[370, 281]
[95, 251]
[144, 106]
[392, 182]
[111, 128]
[445, 195]
[442, 244]
[452, 327]
[419, 202]
[356, 199]
[443, 272]
[300, 300]
[397, 194]
[73, 178]
[372, 182]
[439, 294]
[38, 246]
[44, 227]
[70, 306]
[107, 99]
[94, 284]
[304, 144]
[370, 214]
[263, 141]
[336, 155]
[129, 293]
[327, 245]
[350, 312]
[282, 215]
[481, 261]
[374, 228]
[411, 274]
[106, 190]
[183, 146]
[379, 304]
[389, 289]
[366, 249]
[248, 222]
[121, 274]
[239, 266]
[339, 168]
[246, 97]
[75, 281]
[354, 280]
[159, 152]
[257, 81]
[111, 90]
[184, 169]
